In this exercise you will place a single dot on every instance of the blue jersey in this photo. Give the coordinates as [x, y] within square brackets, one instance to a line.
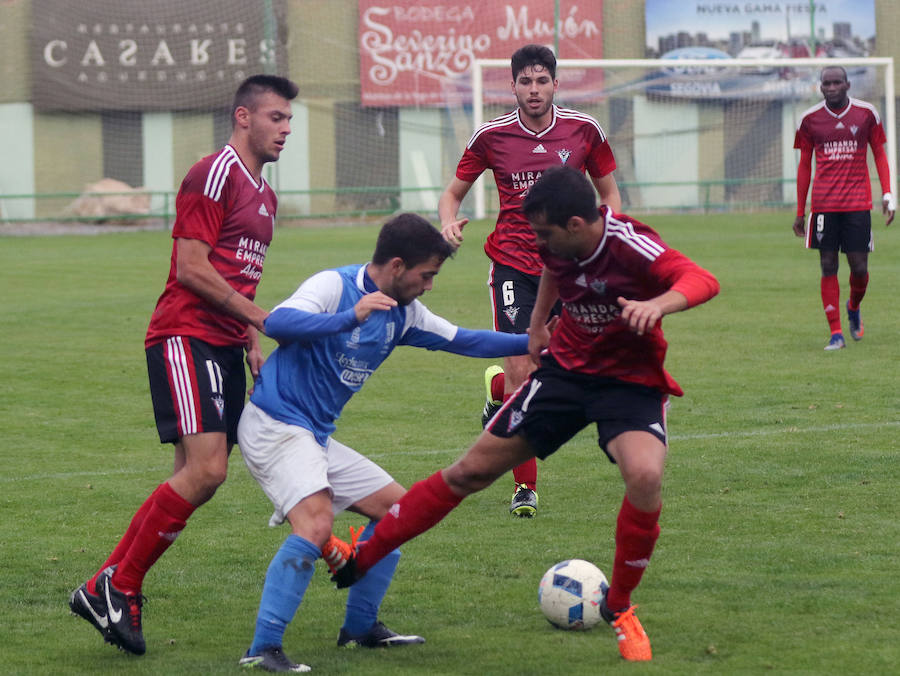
[325, 355]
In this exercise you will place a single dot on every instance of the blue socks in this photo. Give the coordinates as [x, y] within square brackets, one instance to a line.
[287, 578]
[364, 598]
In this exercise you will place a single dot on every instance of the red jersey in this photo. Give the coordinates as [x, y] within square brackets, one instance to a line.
[841, 181]
[220, 203]
[631, 261]
[518, 157]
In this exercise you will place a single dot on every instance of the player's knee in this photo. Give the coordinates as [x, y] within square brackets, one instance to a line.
[318, 529]
[645, 481]
[467, 477]
[859, 270]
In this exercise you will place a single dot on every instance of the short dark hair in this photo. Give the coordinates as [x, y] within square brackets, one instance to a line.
[559, 194]
[412, 239]
[533, 55]
[248, 93]
[835, 67]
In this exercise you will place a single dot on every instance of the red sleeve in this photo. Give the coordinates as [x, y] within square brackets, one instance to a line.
[601, 160]
[196, 215]
[881, 164]
[683, 275]
[804, 174]
[471, 164]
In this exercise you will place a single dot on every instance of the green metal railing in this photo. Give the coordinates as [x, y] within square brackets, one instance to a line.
[339, 203]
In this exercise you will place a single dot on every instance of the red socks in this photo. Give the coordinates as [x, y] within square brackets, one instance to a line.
[831, 302]
[165, 516]
[858, 286]
[119, 552]
[423, 505]
[498, 384]
[636, 535]
[526, 473]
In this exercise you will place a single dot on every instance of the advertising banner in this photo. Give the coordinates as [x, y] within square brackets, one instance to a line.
[772, 30]
[159, 55]
[419, 52]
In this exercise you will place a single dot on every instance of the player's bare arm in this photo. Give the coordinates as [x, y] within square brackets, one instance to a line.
[888, 209]
[372, 302]
[254, 356]
[539, 329]
[195, 272]
[448, 210]
[608, 190]
[800, 226]
[642, 315]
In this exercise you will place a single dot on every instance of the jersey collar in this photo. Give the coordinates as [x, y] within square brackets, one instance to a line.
[843, 112]
[363, 281]
[604, 214]
[537, 134]
[262, 182]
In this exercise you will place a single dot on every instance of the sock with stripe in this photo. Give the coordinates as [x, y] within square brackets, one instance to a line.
[831, 302]
[636, 535]
[164, 521]
[423, 506]
[122, 547]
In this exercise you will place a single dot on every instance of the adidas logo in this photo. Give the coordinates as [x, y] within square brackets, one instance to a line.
[839, 125]
[581, 280]
[638, 563]
[539, 149]
[656, 427]
[262, 210]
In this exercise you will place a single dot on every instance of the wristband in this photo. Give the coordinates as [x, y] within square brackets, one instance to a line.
[889, 198]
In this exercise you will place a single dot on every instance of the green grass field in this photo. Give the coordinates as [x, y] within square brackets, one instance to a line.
[779, 538]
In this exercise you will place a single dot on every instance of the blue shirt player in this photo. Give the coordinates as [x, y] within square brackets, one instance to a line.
[333, 332]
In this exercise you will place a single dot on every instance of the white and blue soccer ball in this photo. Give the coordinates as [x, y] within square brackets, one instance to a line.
[570, 594]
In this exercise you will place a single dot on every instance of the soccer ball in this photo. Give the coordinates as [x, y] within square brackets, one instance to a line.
[570, 594]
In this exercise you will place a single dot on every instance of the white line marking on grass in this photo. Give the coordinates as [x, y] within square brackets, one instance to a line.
[787, 429]
[459, 451]
[75, 475]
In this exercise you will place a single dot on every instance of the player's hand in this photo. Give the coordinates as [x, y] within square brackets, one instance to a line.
[640, 315]
[372, 302]
[887, 208]
[539, 338]
[452, 232]
[255, 361]
[799, 226]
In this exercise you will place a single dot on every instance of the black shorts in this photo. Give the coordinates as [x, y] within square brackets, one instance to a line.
[553, 405]
[196, 387]
[513, 294]
[847, 231]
